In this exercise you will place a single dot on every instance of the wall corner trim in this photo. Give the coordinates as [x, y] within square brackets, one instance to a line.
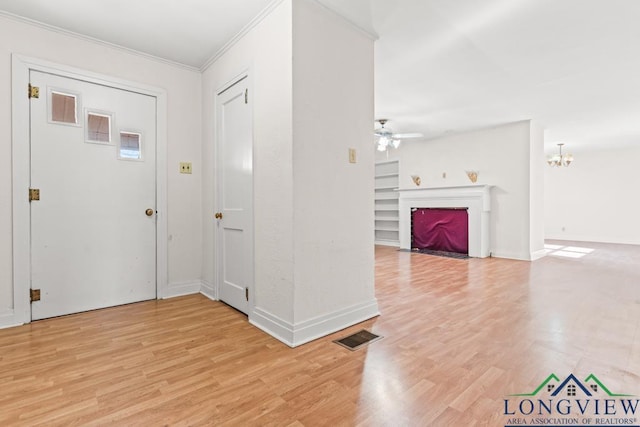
[209, 290]
[536, 255]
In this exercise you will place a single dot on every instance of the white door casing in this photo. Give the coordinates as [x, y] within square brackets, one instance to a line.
[21, 68]
[235, 195]
[93, 242]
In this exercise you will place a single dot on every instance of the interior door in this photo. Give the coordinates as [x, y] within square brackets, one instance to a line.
[93, 229]
[235, 195]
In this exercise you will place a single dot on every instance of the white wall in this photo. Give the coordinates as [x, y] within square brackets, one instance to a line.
[184, 137]
[267, 52]
[537, 163]
[503, 158]
[333, 199]
[312, 76]
[595, 199]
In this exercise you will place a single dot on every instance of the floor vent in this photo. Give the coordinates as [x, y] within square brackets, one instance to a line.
[357, 340]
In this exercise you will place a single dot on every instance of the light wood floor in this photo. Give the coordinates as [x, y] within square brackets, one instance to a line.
[460, 335]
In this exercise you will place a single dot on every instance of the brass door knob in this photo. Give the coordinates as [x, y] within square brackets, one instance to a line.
[149, 212]
[218, 215]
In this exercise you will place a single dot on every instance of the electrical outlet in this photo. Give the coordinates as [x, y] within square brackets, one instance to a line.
[185, 167]
[352, 155]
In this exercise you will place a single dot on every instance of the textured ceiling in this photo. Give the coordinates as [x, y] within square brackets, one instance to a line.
[441, 65]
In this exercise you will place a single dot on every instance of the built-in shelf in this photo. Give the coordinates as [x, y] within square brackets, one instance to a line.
[386, 195]
[387, 220]
[387, 229]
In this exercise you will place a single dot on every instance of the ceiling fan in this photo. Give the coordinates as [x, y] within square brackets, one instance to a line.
[386, 138]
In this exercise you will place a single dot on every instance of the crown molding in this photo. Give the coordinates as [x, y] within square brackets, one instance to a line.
[84, 37]
[235, 39]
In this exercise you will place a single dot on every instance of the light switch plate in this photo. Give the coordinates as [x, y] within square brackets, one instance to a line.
[352, 155]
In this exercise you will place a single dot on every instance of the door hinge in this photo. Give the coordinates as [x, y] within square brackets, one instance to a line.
[34, 194]
[34, 294]
[34, 91]
[246, 293]
[246, 96]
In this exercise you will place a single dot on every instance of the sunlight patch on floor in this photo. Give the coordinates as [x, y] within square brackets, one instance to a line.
[567, 251]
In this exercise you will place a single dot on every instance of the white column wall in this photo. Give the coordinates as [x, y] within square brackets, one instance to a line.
[266, 52]
[312, 75]
[333, 199]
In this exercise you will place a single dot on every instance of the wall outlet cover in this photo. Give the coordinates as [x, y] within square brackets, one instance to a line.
[185, 167]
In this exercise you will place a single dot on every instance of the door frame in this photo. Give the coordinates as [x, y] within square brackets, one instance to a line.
[21, 172]
[245, 75]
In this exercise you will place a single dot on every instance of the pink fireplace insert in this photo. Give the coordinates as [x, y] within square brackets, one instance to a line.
[440, 229]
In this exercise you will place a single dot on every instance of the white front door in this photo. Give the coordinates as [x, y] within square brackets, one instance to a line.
[235, 195]
[93, 231]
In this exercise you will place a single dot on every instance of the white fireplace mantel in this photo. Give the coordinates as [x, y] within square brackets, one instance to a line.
[476, 198]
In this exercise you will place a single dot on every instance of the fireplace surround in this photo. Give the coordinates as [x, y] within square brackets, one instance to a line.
[475, 198]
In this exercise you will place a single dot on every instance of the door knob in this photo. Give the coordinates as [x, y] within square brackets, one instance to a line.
[218, 215]
[149, 212]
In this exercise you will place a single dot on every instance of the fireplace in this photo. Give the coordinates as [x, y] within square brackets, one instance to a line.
[475, 200]
[440, 229]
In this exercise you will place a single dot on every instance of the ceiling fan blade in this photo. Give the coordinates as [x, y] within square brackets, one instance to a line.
[407, 135]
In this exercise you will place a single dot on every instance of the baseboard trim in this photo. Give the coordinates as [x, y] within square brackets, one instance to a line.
[209, 290]
[538, 254]
[8, 319]
[273, 325]
[180, 289]
[300, 333]
[589, 239]
[518, 257]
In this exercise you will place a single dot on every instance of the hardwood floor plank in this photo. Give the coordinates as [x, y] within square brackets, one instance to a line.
[459, 336]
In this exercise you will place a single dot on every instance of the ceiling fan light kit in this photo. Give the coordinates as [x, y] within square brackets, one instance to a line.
[386, 139]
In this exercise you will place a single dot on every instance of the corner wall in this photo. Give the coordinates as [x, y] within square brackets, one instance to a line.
[183, 129]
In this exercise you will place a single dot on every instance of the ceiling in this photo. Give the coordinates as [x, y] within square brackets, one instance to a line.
[442, 66]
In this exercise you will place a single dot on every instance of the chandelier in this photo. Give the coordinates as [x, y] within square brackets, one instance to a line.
[560, 159]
